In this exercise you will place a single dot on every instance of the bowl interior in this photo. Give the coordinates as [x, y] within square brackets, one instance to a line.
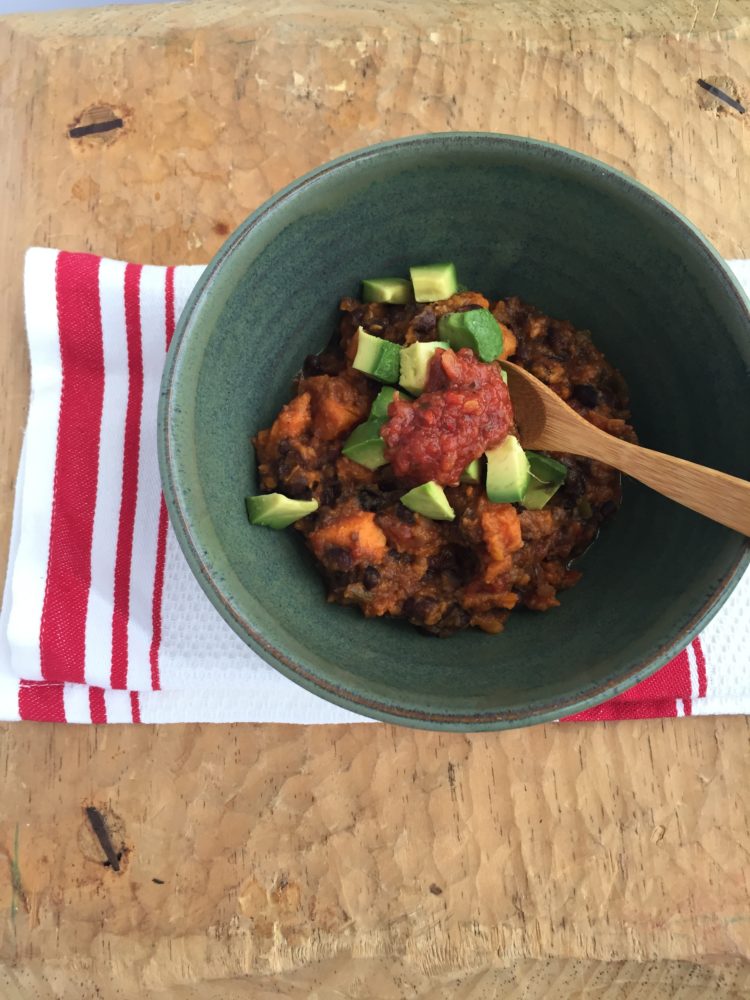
[517, 217]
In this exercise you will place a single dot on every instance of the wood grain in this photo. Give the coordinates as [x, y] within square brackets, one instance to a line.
[359, 861]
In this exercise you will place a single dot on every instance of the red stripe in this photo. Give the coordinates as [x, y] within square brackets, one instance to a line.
[618, 710]
[169, 305]
[671, 681]
[62, 639]
[161, 538]
[135, 706]
[654, 698]
[97, 705]
[40, 702]
[161, 557]
[124, 554]
[700, 659]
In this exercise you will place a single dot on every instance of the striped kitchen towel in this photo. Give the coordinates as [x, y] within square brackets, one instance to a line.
[102, 620]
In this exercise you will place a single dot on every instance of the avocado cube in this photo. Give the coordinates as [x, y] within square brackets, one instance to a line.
[546, 469]
[433, 282]
[547, 476]
[274, 510]
[376, 357]
[472, 473]
[397, 291]
[507, 472]
[539, 494]
[379, 408]
[415, 360]
[477, 329]
[365, 445]
[430, 500]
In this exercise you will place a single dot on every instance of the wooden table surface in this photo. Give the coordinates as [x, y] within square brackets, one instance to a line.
[605, 861]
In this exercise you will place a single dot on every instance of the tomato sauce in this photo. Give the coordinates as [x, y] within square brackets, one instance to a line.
[464, 410]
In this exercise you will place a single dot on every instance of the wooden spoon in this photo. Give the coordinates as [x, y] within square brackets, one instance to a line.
[544, 421]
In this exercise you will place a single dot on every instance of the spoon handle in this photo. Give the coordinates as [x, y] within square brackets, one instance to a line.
[723, 498]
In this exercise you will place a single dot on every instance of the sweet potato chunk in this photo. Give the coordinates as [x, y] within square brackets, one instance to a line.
[358, 534]
[501, 529]
[339, 403]
[510, 344]
[292, 422]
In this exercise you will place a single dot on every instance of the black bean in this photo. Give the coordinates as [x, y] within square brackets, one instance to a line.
[444, 562]
[573, 488]
[560, 344]
[320, 364]
[312, 365]
[402, 557]
[467, 562]
[425, 321]
[288, 462]
[370, 578]
[455, 618]
[387, 481]
[338, 558]
[524, 353]
[608, 508]
[404, 514]
[297, 490]
[372, 500]
[419, 608]
[330, 494]
[452, 560]
[586, 395]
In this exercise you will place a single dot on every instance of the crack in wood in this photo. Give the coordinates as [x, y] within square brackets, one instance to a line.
[99, 826]
[81, 130]
[721, 96]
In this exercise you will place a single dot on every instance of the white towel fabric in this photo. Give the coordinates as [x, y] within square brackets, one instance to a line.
[102, 620]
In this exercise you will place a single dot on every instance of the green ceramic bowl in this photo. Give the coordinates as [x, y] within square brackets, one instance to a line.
[581, 242]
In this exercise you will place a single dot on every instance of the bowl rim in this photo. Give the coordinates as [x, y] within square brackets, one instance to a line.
[201, 563]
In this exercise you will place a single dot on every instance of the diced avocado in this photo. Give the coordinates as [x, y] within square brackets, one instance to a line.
[377, 357]
[365, 445]
[507, 472]
[430, 500]
[379, 408]
[415, 361]
[472, 473]
[274, 510]
[477, 329]
[547, 476]
[395, 290]
[434, 281]
[539, 494]
[546, 469]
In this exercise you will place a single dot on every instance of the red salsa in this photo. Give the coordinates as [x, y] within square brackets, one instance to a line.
[464, 410]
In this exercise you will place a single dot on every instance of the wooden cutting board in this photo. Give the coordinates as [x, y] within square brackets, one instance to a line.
[359, 861]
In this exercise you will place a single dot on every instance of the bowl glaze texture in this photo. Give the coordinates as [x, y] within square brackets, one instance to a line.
[519, 217]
